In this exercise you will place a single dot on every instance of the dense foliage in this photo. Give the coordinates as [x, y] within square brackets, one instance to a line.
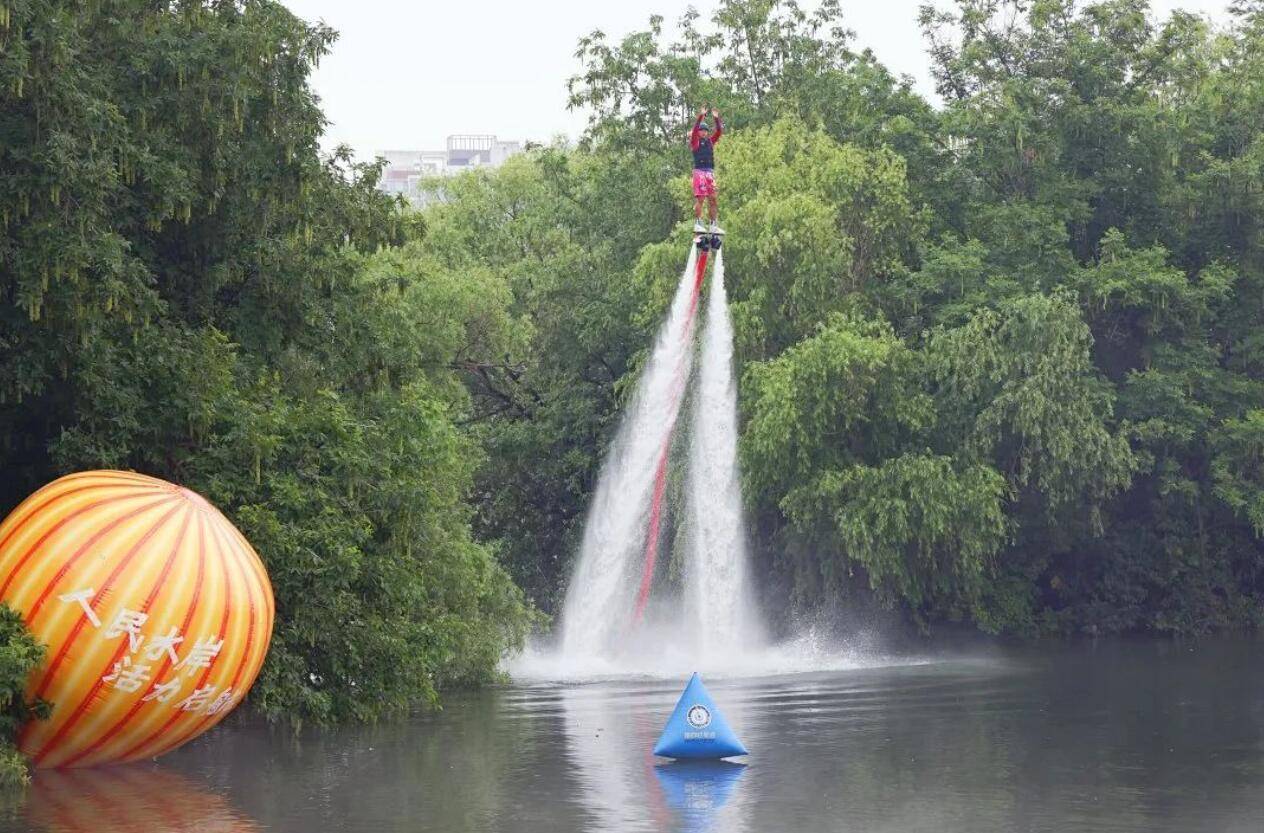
[1000, 357]
[19, 655]
[189, 290]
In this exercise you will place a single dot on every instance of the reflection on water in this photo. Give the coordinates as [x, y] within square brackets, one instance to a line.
[608, 750]
[697, 792]
[127, 799]
[1129, 737]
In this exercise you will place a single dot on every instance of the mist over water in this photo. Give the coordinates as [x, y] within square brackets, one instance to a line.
[659, 651]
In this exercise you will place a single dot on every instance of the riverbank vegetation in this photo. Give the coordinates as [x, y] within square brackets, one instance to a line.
[191, 290]
[19, 655]
[1000, 354]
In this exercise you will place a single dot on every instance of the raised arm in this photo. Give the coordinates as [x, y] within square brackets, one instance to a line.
[719, 127]
[693, 134]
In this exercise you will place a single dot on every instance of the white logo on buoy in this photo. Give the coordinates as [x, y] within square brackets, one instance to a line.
[698, 716]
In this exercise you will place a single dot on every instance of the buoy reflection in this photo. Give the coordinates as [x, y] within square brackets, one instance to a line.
[697, 792]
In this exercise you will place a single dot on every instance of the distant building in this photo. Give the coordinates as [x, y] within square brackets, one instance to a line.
[406, 169]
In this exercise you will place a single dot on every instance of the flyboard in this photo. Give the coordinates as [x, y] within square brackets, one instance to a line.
[706, 242]
[696, 729]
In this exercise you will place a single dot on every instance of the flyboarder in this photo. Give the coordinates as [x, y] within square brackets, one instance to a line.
[702, 142]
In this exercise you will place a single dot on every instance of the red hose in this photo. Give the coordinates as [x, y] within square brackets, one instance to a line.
[660, 474]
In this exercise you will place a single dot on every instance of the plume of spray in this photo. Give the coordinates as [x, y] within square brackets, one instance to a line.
[719, 603]
[715, 626]
[600, 598]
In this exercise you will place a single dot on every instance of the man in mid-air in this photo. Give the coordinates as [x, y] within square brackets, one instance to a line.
[702, 142]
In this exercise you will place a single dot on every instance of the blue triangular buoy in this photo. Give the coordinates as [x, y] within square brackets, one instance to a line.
[696, 729]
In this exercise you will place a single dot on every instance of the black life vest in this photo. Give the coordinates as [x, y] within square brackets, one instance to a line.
[704, 154]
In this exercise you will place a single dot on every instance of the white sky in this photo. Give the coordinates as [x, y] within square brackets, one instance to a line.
[404, 75]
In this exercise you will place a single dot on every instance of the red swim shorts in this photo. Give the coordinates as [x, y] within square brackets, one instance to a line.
[703, 183]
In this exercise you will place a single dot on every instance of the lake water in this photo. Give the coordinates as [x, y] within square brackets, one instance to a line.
[1104, 736]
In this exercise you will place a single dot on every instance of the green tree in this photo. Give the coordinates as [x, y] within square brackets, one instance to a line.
[1060, 254]
[19, 655]
[192, 291]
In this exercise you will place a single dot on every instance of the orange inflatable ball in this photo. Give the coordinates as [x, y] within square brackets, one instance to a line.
[156, 612]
